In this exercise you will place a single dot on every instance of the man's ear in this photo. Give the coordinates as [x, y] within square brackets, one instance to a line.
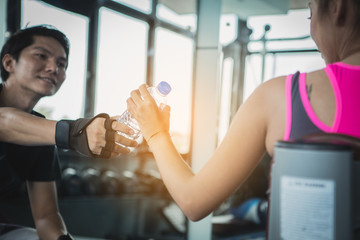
[8, 62]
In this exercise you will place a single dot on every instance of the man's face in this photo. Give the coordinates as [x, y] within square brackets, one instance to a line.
[41, 67]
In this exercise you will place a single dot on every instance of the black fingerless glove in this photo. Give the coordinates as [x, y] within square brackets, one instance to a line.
[71, 134]
[65, 237]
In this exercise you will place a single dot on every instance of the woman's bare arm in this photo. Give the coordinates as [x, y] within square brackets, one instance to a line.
[242, 148]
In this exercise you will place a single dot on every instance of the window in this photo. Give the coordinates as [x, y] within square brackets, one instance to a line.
[121, 60]
[75, 28]
[225, 99]
[182, 15]
[174, 64]
[142, 5]
[292, 25]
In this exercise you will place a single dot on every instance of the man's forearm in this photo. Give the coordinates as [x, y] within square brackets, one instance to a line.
[51, 227]
[84, 135]
[23, 128]
[44, 207]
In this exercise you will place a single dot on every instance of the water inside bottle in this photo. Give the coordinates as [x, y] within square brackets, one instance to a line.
[131, 122]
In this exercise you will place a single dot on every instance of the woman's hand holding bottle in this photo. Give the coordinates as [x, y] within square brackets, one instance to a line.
[151, 119]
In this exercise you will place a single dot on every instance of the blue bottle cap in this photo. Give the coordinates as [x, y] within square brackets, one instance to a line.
[164, 88]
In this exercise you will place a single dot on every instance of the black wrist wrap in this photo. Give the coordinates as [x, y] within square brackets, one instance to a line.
[71, 134]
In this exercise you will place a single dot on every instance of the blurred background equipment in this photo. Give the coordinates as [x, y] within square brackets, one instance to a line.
[110, 183]
[91, 181]
[72, 183]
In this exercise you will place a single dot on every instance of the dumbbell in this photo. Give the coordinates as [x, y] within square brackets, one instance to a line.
[110, 181]
[71, 182]
[91, 180]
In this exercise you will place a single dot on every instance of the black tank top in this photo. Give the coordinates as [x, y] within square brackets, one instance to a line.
[301, 124]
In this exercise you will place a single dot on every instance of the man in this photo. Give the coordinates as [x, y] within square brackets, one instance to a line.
[34, 62]
[17, 126]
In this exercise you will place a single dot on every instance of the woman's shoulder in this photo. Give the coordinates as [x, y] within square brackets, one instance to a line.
[273, 85]
[269, 94]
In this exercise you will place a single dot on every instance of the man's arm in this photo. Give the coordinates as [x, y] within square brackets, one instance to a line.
[43, 200]
[23, 128]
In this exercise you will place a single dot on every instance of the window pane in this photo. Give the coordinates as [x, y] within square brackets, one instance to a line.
[142, 5]
[75, 28]
[293, 24]
[252, 74]
[178, 14]
[121, 60]
[290, 63]
[225, 98]
[3, 16]
[173, 63]
[279, 65]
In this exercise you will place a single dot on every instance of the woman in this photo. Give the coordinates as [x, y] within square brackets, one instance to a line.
[282, 108]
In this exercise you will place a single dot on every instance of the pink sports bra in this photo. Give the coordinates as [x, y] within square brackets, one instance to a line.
[301, 120]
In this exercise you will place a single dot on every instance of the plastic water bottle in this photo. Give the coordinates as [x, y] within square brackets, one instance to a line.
[159, 94]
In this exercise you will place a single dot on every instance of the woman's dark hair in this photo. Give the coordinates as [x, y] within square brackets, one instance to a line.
[25, 37]
[323, 8]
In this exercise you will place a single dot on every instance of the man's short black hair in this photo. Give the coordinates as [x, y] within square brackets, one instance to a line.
[25, 37]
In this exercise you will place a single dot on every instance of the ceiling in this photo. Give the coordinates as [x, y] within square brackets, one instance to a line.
[243, 8]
